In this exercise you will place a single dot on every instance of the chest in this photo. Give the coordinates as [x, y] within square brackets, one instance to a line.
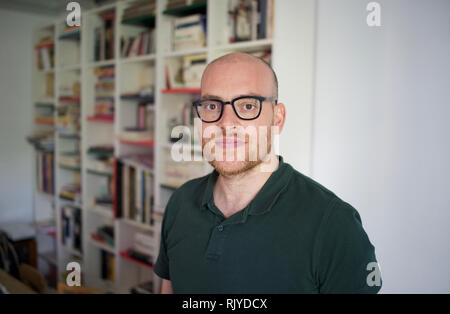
[262, 255]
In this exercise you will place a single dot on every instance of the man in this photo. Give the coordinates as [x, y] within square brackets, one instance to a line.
[257, 225]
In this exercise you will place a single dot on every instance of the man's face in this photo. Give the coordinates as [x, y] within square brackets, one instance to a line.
[226, 81]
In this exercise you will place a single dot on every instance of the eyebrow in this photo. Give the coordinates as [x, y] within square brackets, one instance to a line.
[209, 96]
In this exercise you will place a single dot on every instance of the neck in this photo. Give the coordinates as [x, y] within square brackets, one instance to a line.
[234, 193]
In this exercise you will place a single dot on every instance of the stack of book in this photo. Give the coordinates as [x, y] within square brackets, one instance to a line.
[45, 172]
[193, 67]
[142, 248]
[143, 44]
[143, 288]
[68, 119]
[71, 32]
[145, 161]
[265, 55]
[139, 9]
[104, 234]
[250, 20]
[45, 120]
[104, 90]
[189, 32]
[104, 37]
[101, 152]
[103, 166]
[71, 192]
[177, 173]
[144, 258]
[70, 159]
[185, 72]
[143, 130]
[107, 266]
[43, 141]
[174, 4]
[135, 185]
[45, 54]
[104, 200]
[71, 227]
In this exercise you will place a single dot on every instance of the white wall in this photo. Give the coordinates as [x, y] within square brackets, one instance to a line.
[381, 131]
[293, 61]
[16, 114]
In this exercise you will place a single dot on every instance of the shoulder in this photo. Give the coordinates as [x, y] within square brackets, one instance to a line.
[314, 195]
[319, 205]
[190, 194]
[191, 189]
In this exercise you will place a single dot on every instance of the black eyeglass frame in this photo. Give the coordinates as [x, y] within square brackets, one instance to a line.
[223, 103]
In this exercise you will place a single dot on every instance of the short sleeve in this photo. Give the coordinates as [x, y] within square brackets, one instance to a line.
[161, 267]
[344, 256]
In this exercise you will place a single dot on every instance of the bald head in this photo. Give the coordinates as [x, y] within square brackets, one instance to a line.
[239, 58]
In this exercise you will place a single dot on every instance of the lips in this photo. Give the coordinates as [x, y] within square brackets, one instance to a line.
[229, 143]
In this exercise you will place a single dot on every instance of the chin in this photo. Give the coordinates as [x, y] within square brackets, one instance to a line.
[231, 168]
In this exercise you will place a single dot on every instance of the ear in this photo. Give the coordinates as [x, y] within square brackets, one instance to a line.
[279, 116]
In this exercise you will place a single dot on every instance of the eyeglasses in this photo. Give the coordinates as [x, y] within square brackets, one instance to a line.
[245, 107]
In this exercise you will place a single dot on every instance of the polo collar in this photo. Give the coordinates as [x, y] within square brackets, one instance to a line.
[266, 197]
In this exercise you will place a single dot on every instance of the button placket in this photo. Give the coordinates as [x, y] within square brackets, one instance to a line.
[216, 243]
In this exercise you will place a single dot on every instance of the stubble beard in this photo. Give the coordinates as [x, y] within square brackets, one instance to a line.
[244, 166]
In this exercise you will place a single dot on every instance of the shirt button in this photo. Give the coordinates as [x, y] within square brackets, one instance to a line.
[220, 228]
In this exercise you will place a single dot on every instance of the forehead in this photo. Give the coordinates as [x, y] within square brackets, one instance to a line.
[231, 79]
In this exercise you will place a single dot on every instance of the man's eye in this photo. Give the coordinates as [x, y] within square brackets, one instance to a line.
[211, 106]
[249, 106]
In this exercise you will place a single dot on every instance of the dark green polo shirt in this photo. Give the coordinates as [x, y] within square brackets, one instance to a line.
[295, 236]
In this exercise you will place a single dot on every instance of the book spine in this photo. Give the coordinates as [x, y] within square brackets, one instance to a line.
[263, 19]
[44, 172]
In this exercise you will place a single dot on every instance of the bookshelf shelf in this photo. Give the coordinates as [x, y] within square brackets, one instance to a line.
[105, 211]
[102, 63]
[46, 71]
[43, 121]
[49, 45]
[137, 143]
[71, 35]
[247, 45]
[102, 245]
[126, 256]
[73, 251]
[137, 164]
[98, 173]
[100, 119]
[183, 53]
[69, 99]
[147, 20]
[182, 91]
[187, 10]
[69, 202]
[76, 169]
[150, 57]
[68, 136]
[138, 224]
[67, 68]
[50, 257]
[45, 105]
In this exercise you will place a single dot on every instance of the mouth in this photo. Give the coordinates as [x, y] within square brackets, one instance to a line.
[228, 143]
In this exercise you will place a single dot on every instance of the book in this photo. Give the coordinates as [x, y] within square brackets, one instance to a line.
[193, 67]
[143, 288]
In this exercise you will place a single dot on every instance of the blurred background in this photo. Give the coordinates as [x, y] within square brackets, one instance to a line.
[86, 114]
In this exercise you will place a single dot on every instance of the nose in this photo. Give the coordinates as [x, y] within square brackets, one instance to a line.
[229, 117]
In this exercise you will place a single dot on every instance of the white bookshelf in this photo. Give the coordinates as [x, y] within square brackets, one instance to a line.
[74, 61]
